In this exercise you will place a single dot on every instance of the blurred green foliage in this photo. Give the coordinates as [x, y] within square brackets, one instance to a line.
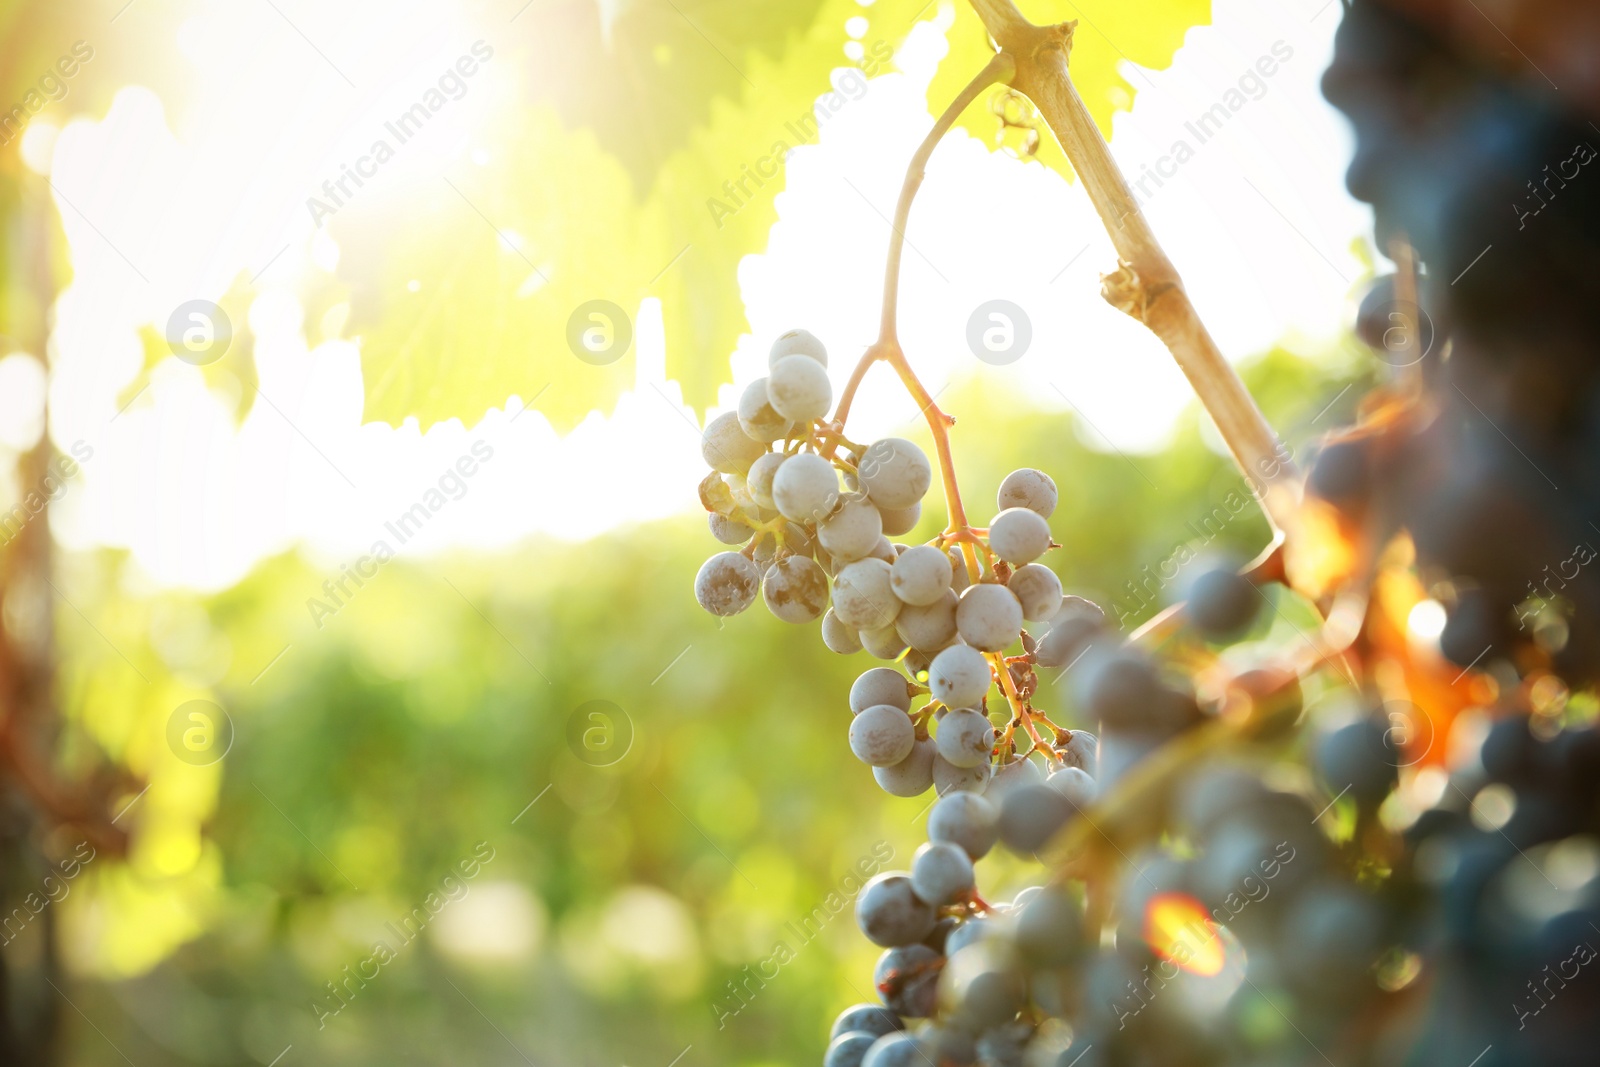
[431, 714]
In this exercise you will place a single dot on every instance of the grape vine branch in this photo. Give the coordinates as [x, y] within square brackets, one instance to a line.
[1145, 285]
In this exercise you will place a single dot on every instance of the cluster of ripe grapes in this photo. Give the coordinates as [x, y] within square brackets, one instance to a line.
[1400, 904]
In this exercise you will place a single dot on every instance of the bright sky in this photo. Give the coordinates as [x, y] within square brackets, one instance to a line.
[1257, 221]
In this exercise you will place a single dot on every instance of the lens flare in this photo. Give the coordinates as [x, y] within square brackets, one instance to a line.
[1178, 928]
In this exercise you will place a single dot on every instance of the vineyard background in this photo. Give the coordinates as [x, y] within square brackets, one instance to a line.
[376, 744]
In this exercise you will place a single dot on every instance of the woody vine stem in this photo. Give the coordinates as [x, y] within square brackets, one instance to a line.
[1146, 286]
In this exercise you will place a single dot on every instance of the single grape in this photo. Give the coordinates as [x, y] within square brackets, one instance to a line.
[1028, 488]
[912, 776]
[965, 738]
[1004, 1045]
[1013, 774]
[1081, 750]
[1223, 603]
[1071, 631]
[1075, 784]
[727, 448]
[882, 736]
[959, 677]
[865, 1018]
[797, 343]
[897, 521]
[917, 663]
[1477, 630]
[1510, 753]
[862, 596]
[1342, 475]
[989, 617]
[848, 1050]
[852, 531]
[805, 488]
[949, 1046]
[1359, 756]
[921, 575]
[890, 913]
[1124, 693]
[885, 551]
[839, 637]
[959, 578]
[1049, 928]
[1339, 930]
[727, 584]
[758, 483]
[983, 986]
[879, 685]
[757, 418]
[907, 978]
[894, 472]
[973, 929]
[930, 628]
[1019, 535]
[967, 820]
[798, 389]
[1030, 817]
[729, 531]
[1038, 590]
[884, 642]
[795, 589]
[896, 1050]
[948, 778]
[941, 873]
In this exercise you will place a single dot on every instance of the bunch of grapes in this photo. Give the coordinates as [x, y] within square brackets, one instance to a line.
[1372, 843]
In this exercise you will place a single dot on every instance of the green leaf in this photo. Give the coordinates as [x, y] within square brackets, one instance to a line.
[1110, 33]
[644, 162]
[470, 300]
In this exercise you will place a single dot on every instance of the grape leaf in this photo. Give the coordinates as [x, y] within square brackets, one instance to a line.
[1110, 33]
[643, 162]
[472, 299]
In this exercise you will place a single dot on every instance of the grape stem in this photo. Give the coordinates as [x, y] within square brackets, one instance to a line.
[1145, 285]
[1000, 68]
